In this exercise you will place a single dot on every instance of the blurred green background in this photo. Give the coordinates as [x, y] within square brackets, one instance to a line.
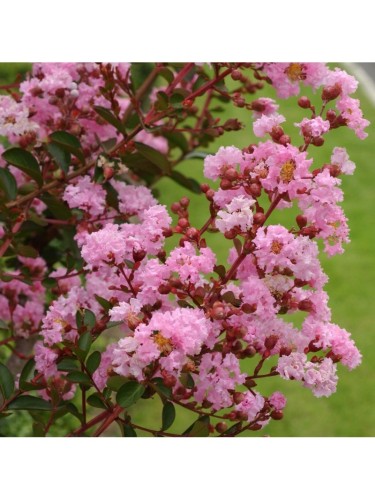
[351, 410]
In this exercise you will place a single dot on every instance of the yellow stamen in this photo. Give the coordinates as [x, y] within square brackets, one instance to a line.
[165, 345]
[287, 171]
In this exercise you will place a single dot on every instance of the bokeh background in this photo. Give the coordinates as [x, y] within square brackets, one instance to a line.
[351, 410]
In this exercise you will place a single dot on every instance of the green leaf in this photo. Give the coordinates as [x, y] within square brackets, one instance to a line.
[60, 155]
[196, 155]
[8, 184]
[84, 342]
[25, 161]
[177, 139]
[162, 101]
[139, 72]
[89, 319]
[233, 429]
[154, 157]
[69, 143]
[186, 182]
[29, 403]
[112, 196]
[142, 167]
[168, 415]
[115, 382]
[187, 380]
[93, 361]
[6, 382]
[129, 393]
[67, 365]
[106, 305]
[220, 270]
[26, 251]
[27, 370]
[167, 75]
[129, 431]
[79, 319]
[79, 378]
[96, 401]
[109, 117]
[57, 207]
[200, 428]
[230, 298]
[163, 389]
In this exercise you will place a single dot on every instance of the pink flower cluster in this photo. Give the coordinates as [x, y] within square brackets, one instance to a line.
[182, 318]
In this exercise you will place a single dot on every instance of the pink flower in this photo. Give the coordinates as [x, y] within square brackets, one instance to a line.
[277, 400]
[86, 195]
[314, 127]
[251, 405]
[286, 77]
[321, 377]
[238, 214]
[340, 158]
[188, 265]
[264, 106]
[103, 246]
[218, 374]
[171, 336]
[351, 112]
[133, 200]
[100, 375]
[347, 83]
[45, 360]
[265, 124]
[14, 118]
[292, 366]
[215, 165]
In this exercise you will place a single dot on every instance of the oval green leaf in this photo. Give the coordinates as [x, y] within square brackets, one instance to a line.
[8, 184]
[168, 415]
[25, 161]
[6, 381]
[129, 393]
[29, 403]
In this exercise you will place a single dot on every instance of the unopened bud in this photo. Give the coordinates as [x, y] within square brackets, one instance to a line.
[304, 102]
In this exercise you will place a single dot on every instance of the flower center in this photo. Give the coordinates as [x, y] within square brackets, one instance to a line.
[295, 72]
[287, 171]
[165, 345]
[276, 247]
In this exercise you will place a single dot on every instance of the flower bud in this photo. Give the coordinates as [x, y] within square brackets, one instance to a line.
[175, 207]
[221, 427]
[332, 92]
[304, 102]
[192, 233]
[259, 218]
[277, 415]
[225, 184]
[301, 221]
[183, 222]
[236, 75]
[271, 341]
[238, 397]
[184, 202]
[306, 305]
[210, 194]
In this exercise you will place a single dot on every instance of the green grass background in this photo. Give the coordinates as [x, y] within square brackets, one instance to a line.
[351, 410]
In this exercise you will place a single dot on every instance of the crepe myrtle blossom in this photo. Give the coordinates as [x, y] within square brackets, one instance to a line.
[340, 158]
[193, 310]
[238, 214]
[266, 123]
[226, 157]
